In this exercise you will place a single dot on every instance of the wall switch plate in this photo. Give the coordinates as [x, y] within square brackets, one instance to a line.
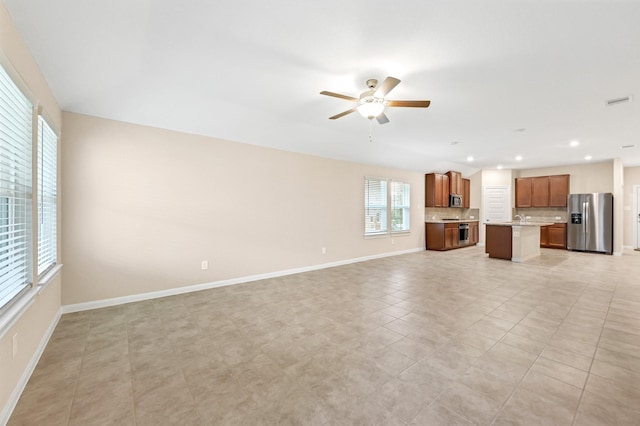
[15, 345]
[205, 265]
[558, 218]
[516, 234]
[324, 250]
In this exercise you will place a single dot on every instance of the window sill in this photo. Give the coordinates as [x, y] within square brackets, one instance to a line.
[17, 309]
[48, 277]
[387, 235]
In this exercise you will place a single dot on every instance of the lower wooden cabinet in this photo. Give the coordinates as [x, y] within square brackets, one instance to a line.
[474, 233]
[445, 236]
[554, 236]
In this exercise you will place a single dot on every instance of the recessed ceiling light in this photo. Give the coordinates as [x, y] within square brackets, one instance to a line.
[518, 157]
[522, 129]
[574, 143]
[499, 167]
[588, 157]
[470, 158]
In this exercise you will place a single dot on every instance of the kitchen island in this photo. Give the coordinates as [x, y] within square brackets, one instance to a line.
[515, 241]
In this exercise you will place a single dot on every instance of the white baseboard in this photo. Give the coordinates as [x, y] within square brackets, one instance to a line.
[26, 375]
[205, 286]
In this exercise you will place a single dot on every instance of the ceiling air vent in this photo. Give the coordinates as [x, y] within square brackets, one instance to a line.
[627, 146]
[617, 101]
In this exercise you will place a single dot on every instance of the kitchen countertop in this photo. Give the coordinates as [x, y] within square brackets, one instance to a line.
[520, 224]
[451, 221]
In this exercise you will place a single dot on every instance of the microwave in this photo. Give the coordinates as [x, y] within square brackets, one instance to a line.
[455, 200]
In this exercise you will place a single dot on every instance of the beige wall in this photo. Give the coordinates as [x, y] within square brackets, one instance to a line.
[144, 206]
[32, 326]
[588, 177]
[631, 179]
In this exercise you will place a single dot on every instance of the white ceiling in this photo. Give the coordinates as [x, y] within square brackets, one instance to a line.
[251, 71]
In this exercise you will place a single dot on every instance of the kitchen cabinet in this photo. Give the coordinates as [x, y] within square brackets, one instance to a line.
[436, 190]
[523, 192]
[455, 182]
[474, 233]
[498, 242]
[558, 190]
[542, 191]
[446, 236]
[466, 193]
[450, 236]
[554, 236]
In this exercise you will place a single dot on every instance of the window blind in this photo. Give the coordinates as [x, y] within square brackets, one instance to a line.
[15, 190]
[375, 206]
[400, 206]
[47, 196]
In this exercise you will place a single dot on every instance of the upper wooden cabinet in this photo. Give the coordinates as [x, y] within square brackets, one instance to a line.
[455, 182]
[466, 193]
[542, 191]
[523, 192]
[558, 190]
[436, 190]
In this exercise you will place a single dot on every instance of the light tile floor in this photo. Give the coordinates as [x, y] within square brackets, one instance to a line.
[428, 338]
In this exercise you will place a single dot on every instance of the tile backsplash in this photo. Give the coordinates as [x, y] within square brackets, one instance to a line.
[551, 214]
[439, 213]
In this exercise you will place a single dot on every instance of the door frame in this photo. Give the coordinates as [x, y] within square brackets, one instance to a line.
[636, 212]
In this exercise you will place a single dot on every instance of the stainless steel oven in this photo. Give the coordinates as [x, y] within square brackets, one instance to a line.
[463, 233]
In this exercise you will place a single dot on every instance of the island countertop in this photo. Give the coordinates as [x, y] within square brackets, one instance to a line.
[520, 224]
[451, 221]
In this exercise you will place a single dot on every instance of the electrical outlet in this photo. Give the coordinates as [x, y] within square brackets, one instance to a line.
[324, 250]
[516, 234]
[558, 218]
[15, 345]
[472, 217]
[205, 265]
[393, 241]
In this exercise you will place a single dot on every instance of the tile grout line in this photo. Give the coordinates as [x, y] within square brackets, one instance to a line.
[493, 420]
[584, 387]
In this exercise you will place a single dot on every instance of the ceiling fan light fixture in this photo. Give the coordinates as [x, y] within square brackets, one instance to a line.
[371, 107]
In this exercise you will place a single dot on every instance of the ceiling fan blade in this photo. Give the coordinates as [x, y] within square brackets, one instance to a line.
[387, 85]
[382, 118]
[411, 104]
[338, 95]
[342, 114]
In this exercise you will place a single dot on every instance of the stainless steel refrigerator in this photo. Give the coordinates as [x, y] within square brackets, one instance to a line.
[590, 224]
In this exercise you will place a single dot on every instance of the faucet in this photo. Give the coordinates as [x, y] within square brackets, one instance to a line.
[523, 219]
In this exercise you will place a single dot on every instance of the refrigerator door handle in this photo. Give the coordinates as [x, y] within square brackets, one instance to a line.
[585, 213]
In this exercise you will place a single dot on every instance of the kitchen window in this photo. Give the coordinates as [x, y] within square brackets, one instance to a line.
[387, 206]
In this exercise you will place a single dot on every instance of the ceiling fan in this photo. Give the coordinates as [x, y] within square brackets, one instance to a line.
[371, 103]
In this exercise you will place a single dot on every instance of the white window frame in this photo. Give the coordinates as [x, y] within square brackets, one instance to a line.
[404, 206]
[378, 209]
[47, 189]
[16, 173]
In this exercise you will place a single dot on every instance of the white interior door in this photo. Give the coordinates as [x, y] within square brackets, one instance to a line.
[496, 204]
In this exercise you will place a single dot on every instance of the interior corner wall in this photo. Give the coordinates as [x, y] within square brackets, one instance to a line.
[33, 325]
[143, 207]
